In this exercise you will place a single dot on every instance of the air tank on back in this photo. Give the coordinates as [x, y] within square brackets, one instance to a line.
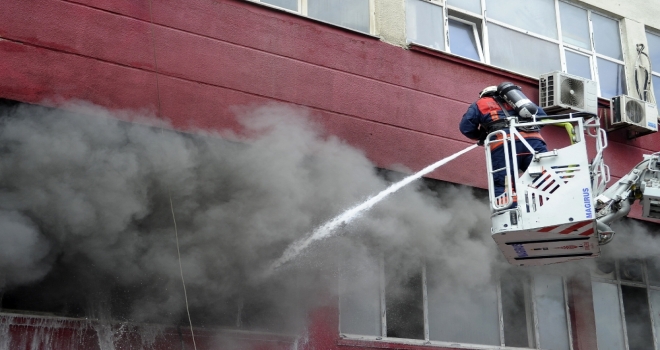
[517, 100]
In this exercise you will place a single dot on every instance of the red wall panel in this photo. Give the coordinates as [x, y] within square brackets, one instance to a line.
[78, 29]
[33, 74]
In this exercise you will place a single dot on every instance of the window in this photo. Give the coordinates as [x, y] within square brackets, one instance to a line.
[286, 4]
[464, 39]
[352, 14]
[542, 36]
[607, 44]
[381, 300]
[626, 296]
[653, 40]
[505, 51]
[425, 24]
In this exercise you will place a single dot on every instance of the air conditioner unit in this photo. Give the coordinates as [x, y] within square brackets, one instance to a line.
[565, 93]
[638, 116]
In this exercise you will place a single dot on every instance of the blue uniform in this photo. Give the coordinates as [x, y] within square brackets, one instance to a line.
[477, 120]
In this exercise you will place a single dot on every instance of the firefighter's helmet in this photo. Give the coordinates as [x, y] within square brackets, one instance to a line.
[488, 91]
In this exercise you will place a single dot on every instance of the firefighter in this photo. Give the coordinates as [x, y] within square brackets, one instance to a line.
[489, 113]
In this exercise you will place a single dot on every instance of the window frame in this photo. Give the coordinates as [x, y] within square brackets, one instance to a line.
[445, 26]
[303, 11]
[475, 32]
[531, 310]
[618, 281]
[591, 53]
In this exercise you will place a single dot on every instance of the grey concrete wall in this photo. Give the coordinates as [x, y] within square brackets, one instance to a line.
[391, 21]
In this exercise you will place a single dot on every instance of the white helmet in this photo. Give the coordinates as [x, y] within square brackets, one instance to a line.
[488, 91]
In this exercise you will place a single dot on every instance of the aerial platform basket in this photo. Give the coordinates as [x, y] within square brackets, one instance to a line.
[546, 213]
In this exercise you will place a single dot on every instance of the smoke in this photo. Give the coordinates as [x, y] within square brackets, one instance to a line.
[23, 250]
[633, 240]
[86, 218]
[86, 224]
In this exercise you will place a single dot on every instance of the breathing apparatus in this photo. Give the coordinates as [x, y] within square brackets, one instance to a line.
[514, 97]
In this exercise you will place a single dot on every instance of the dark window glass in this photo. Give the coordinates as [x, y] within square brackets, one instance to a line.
[638, 318]
[404, 301]
[518, 324]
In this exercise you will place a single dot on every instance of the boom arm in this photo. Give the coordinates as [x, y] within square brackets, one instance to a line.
[643, 183]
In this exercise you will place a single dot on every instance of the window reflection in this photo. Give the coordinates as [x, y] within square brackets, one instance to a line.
[424, 24]
[470, 5]
[352, 14]
[654, 50]
[577, 64]
[537, 16]
[612, 78]
[606, 36]
[543, 55]
[574, 25]
[656, 89]
[287, 4]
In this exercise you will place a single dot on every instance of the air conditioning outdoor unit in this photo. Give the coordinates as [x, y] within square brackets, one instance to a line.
[565, 93]
[638, 116]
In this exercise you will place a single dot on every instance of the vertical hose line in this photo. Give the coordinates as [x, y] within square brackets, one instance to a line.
[169, 192]
[644, 92]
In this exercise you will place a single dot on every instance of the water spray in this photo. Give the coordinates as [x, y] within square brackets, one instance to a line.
[328, 228]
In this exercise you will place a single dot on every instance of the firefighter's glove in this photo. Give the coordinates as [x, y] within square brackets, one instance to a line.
[482, 136]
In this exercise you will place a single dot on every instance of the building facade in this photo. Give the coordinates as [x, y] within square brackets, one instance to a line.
[391, 78]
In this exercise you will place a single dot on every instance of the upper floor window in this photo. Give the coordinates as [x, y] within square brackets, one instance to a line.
[542, 36]
[425, 23]
[352, 14]
[653, 40]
